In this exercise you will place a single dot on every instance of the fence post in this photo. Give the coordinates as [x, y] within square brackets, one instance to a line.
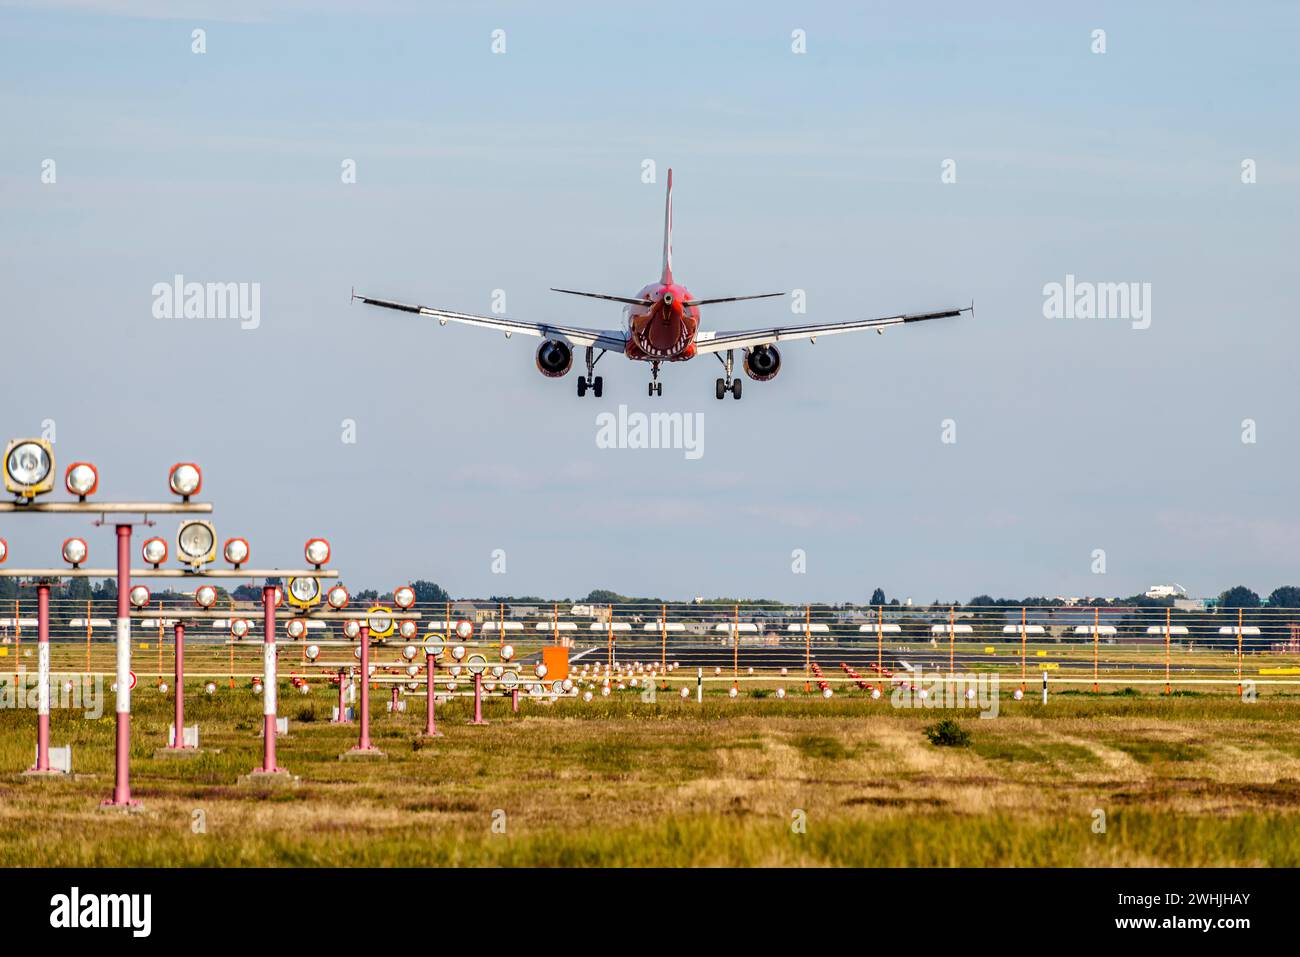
[1044, 687]
[699, 686]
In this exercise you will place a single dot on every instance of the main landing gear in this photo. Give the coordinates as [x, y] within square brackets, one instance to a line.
[655, 386]
[728, 384]
[591, 381]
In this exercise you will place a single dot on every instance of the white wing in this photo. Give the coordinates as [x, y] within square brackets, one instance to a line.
[614, 339]
[748, 338]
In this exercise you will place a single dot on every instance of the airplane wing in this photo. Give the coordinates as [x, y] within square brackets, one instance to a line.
[614, 339]
[748, 338]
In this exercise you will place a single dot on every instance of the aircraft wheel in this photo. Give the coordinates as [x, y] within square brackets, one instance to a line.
[735, 389]
[598, 386]
[650, 390]
[582, 386]
[720, 389]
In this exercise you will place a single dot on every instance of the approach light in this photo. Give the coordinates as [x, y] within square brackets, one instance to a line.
[780, 692]
[475, 664]
[154, 551]
[210, 688]
[586, 696]
[185, 480]
[317, 551]
[404, 596]
[205, 596]
[458, 652]
[313, 652]
[196, 543]
[380, 620]
[337, 597]
[235, 551]
[686, 693]
[29, 467]
[239, 628]
[139, 596]
[409, 652]
[81, 479]
[509, 680]
[434, 646]
[304, 592]
[507, 652]
[352, 629]
[74, 551]
[540, 670]
[295, 628]
[464, 630]
[412, 670]
[408, 628]
[4, 549]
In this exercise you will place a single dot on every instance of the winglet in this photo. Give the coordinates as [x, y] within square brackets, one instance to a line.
[354, 294]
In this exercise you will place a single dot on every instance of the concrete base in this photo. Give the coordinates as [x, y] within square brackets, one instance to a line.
[184, 752]
[135, 807]
[32, 773]
[356, 754]
[436, 734]
[268, 779]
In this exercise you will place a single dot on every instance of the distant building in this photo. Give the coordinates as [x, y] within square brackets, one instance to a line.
[1166, 591]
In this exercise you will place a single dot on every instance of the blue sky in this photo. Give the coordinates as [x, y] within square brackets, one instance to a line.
[820, 171]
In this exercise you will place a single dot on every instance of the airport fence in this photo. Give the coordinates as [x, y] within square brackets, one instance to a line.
[734, 642]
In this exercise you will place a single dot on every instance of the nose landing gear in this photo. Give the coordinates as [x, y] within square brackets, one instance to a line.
[727, 384]
[655, 386]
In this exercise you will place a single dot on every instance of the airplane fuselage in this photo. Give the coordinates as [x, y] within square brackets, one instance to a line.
[664, 331]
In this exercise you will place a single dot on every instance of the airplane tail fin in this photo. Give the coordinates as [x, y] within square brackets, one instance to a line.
[667, 276]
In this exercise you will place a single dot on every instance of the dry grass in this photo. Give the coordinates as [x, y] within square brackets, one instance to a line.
[1182, 781]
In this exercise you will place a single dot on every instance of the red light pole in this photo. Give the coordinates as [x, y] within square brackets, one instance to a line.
[268, 684]
[43, 681]
[178, 737]
[430, 675]
[122, 778]
[364, 748]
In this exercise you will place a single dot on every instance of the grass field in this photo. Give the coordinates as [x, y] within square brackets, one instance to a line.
[1192, 779]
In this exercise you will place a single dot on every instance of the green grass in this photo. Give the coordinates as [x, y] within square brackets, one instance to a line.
[1183, 781]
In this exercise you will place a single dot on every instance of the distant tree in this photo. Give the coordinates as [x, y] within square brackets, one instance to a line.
[981, 601]
[106, 590]
[603, 596]
[878, 597]
[247, 593]
[1239, 596]
[1287, 596]
[8, 590]
[367, 597]
[428, 593]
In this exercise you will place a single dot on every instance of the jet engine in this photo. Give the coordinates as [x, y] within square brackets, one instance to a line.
[762, 363]
[554, 358]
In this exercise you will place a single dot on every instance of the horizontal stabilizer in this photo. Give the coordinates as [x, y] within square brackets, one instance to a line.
[710, 302]
[601, 295]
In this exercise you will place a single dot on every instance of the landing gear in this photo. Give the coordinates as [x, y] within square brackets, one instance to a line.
[727, 384]
[655, 386]
[591, 381]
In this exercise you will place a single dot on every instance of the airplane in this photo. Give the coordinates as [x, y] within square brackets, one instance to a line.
[661, 323]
